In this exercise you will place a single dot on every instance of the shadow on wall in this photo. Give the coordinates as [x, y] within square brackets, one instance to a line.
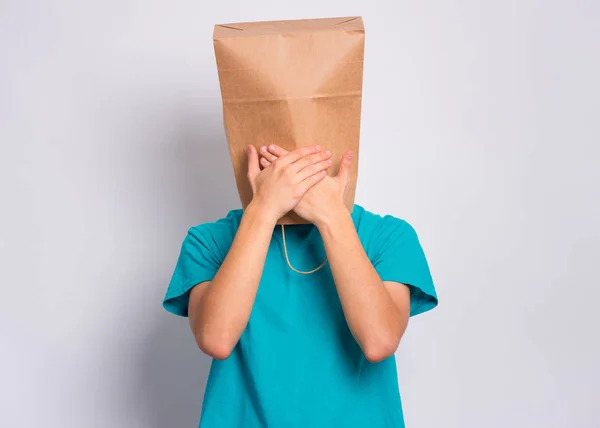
[192, 171]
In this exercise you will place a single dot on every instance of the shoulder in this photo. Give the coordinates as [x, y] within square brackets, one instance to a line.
[381, 233]
[217, 234]
[373, 225]
[224, 225]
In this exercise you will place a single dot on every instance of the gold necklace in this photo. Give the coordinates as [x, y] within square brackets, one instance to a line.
[287, 259]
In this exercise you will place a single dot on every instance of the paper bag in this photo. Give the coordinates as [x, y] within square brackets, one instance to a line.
[291, 83]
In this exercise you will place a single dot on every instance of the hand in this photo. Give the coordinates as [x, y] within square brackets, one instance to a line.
[322, 202]
[279, 188]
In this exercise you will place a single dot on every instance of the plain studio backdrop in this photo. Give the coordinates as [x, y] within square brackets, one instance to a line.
[480, 127]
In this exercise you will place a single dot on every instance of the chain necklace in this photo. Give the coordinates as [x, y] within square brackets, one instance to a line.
[287, 259]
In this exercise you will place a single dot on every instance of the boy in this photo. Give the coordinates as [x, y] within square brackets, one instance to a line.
[302, 320]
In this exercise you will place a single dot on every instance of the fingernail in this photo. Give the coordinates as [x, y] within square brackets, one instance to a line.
[329, 161]
[263, 149]
[328, 153]
[272, 147]
[349, 156]
[318, 147]
[249, 149]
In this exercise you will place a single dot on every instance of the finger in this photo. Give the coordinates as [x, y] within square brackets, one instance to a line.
[277, 151]
[253, 168]
[344, 171]
[314, 169]
[311, 181]
[306, 161]
[265, 163]
[293, 156]
[266, 154]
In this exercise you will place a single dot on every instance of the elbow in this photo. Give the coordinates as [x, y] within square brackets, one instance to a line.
[218, 352]
[379, 351]
[216, 348]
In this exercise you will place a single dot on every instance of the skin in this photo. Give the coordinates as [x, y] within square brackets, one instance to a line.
[377, 312]
[219, 310]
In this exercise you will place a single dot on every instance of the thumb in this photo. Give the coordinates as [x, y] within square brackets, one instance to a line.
[344, 171]
[253, 168]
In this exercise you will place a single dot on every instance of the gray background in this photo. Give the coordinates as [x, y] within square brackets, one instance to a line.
[480, 127]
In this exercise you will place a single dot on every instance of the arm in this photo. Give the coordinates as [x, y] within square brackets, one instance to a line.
[377, 313]
[219, 309]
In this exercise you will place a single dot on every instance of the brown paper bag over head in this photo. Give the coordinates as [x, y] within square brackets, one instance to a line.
[291, 83]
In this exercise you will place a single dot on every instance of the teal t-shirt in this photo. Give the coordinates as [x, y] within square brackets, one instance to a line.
[297, 364]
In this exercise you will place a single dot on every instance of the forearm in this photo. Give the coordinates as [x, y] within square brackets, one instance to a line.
[370, 311]
[224, 309]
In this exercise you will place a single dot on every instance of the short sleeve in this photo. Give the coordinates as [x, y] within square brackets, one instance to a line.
[399, 257]
[199, 261]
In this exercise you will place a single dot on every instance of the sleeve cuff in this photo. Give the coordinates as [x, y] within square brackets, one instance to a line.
[177, 298]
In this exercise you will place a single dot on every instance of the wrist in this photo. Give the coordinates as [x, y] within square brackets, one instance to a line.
[260, 211]
[332, 216]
